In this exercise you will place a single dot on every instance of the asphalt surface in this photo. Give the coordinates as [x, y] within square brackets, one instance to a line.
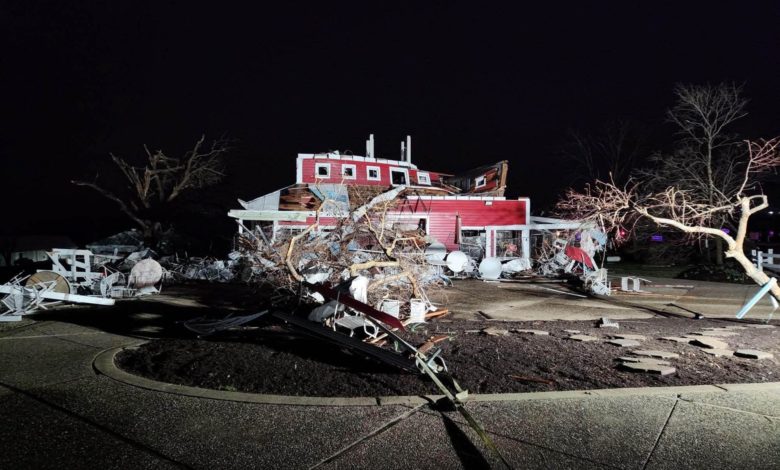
[57, 411]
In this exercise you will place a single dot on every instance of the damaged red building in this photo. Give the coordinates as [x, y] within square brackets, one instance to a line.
[466, 212]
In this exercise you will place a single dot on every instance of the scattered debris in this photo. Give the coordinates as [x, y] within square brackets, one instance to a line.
[676, 339]
[607, 323]
[655, 353]
[635, 284]
[24, 298]
[493, 331]
[629, 336]
[627, 343]
[718, 352]
[715, 333]
[711, 343]
[648, 368]
[583, 338]
[532, 332]
[645, 360]
[753, 354]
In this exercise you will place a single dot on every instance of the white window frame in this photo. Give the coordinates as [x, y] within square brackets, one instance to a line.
[396, 169]
[480, 182]
[378, 173]
[317, 167]
[424, 178]
[351, 167]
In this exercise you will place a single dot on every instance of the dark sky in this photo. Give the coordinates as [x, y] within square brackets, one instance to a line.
[472, 85]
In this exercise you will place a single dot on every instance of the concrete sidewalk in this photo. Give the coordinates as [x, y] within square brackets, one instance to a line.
[553, 301]
[56, 411]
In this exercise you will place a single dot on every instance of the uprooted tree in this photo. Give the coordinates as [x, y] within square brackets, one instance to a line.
[620, 208]
[144, 190]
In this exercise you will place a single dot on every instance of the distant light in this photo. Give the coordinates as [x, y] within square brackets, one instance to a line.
[771, 212]
[726, 230]
[657, 238]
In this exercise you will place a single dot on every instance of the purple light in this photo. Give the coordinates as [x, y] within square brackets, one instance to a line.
[726, 230]
[657, 238]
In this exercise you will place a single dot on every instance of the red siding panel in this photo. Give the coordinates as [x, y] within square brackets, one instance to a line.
[443, 214]
[361, 174]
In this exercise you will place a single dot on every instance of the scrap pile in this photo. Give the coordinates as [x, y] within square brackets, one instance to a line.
[575, 255]
[364, 242]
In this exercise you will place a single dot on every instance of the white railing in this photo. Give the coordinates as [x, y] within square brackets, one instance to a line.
[767, 258]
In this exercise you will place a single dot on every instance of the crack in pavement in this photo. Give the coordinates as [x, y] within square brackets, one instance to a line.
[539, 447]
[737, 410]
[368, 436]
[661, 433]
[83, 419]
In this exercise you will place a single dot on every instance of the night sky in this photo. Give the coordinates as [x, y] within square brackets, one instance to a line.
[472, 85]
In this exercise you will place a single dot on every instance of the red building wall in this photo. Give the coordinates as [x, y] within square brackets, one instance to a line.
[443, 213]
[309, 164]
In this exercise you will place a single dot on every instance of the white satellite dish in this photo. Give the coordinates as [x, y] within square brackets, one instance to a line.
[457, 261]
[490, 268]
[147, 272]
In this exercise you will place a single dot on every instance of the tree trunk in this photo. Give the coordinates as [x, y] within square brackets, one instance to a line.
[752, 271]
[719, 251]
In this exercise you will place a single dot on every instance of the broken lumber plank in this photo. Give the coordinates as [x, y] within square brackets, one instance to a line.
[432, 341]
[437, 313]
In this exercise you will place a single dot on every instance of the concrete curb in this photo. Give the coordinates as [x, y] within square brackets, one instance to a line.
[104, 364]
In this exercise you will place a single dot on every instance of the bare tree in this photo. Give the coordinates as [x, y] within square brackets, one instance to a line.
[621, 207]
[614, 150]
[706, 163]
[161, 179]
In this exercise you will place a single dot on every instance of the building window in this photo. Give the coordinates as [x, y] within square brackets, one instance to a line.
[399, 177]
[423, 178]
[322, 170]
[372, 173]
[348, 172]
[480, 182]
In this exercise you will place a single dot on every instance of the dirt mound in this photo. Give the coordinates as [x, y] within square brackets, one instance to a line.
[271, 359]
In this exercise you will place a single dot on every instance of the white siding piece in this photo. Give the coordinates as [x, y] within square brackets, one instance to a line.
[294, 216]
[386, 196]
[269, 202]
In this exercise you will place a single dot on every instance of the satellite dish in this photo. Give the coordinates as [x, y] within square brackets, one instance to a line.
[457, 261]
[61, 284]
[147, 272]
[490, 268]
[436, 252]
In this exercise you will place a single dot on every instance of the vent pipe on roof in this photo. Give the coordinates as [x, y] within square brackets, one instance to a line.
[408, 149]
[370, 146]
[403, 151]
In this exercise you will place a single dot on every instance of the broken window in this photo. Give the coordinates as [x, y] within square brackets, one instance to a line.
[508, 243]
[472, 242]
[399, 177]
[423, 178]
[322, 170]
[480, 182]
[372, 173]
[348, 171]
